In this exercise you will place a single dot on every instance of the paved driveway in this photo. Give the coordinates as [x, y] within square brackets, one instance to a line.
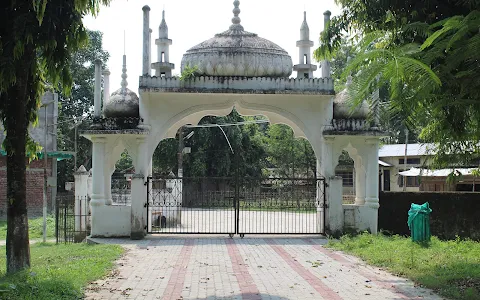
[250, 268]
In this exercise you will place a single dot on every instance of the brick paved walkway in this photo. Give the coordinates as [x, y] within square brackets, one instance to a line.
[249, 268]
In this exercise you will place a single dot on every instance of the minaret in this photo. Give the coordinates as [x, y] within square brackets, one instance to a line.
[163, 67]
[304, 68]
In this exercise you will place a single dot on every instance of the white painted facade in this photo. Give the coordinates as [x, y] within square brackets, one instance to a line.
[166, 104]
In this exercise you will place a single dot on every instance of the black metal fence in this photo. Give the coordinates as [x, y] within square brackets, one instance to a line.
[72, 219]
[121, 190]
[229, 205]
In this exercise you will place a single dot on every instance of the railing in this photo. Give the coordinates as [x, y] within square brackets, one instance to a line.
[121, 190]
[72, 219]
[209, 83]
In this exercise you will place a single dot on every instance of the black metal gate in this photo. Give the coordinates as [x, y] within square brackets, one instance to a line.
[232, 205]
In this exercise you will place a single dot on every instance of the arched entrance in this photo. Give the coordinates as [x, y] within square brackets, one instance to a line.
[225, 188]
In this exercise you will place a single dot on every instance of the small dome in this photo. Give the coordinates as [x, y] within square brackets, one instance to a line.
[122, 105]
[236, 52]
[342, 109]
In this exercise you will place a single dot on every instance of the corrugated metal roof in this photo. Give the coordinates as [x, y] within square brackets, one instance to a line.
[384, 164]
[436, 173]
[398, 150]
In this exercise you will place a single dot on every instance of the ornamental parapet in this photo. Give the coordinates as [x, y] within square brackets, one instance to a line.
[261, 85]
[125, 125]
[352, 126]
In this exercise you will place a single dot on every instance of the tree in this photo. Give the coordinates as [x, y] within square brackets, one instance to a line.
[426, 54]
[290, 157]
[78, 105]
[37, 39]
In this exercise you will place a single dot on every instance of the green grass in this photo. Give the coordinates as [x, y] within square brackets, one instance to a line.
[35, 228]
[451, 268]
[58, 271]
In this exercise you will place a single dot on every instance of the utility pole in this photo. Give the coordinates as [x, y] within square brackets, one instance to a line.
[45, 174]
[75, 157]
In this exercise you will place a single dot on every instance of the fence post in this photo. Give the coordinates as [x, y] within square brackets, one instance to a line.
[81, 192]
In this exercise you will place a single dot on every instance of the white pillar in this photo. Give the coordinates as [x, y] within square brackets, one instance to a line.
[138, 216]
[97, 96]
[106, 87]
[149, 52]
[372, 174]
[371, 200]
[335, 215]
[331, 151]
[360, 184]
[81, 199]
[325, 63]
[108, 186]
[98, 181]
[146, 43]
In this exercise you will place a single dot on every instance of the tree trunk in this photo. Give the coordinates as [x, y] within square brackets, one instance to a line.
[18, 248]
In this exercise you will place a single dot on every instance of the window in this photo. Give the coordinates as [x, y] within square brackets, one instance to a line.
[347, 177]
[305, 61]
[162, 59]
[305, 75]
[412, 181]
[410, 161]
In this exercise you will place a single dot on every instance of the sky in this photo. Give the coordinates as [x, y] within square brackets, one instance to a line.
[191, 22]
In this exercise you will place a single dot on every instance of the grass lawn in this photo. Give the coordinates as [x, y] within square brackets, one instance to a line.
[35, 228]
[451, 268]
[58, 271]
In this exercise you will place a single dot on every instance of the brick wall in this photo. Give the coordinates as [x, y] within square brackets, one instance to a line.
[34, 187]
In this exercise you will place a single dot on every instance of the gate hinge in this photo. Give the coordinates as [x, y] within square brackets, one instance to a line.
[146, 204]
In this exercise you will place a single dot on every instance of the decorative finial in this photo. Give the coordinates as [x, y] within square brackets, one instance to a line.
[163, 13]
[124, 83]
[236, 19]
[305, 16]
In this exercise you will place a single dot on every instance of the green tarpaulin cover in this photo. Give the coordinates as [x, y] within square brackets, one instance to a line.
[59, 155]
[419, 222]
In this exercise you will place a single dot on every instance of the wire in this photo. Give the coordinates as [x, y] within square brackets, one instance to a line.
[228, 124]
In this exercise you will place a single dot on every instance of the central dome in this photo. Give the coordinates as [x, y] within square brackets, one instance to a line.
[237, 52]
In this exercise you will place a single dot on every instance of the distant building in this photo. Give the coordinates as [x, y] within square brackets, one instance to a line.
[35, 169]
[394, 173]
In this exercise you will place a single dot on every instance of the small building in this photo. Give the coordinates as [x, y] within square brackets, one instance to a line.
[35, 169]
[414, 172]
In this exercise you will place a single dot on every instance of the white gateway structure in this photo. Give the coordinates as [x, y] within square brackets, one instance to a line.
[234, 69]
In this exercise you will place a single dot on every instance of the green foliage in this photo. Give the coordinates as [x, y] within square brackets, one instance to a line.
[59, 271]
[37, 39]
[188, 73]
[289, 157]
[125, 163]
[451, 268]
[258, 149]
[35, 228]
[78, 105]
[408, 52]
